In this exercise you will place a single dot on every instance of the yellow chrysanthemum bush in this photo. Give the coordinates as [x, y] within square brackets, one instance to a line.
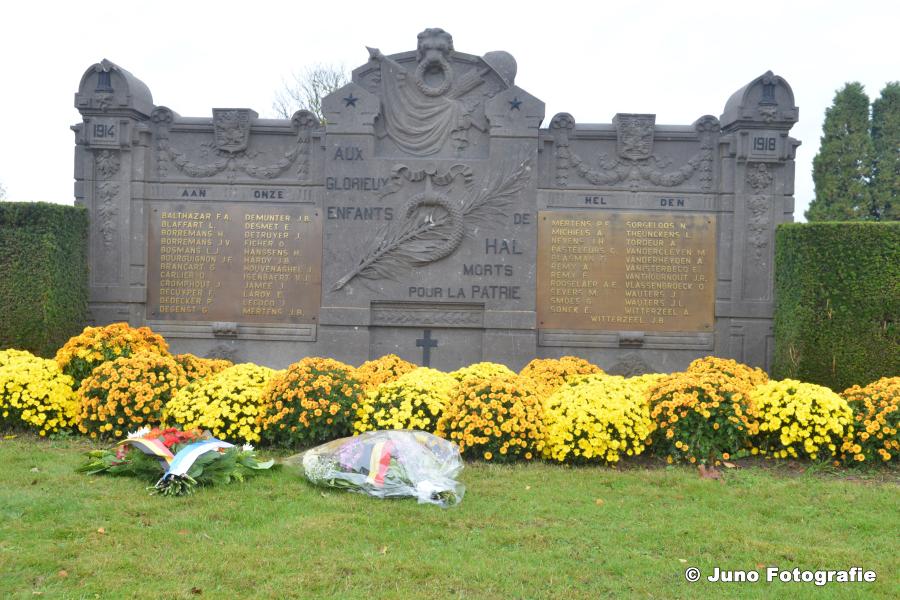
[127, 393]
[876, 410]
[495, 415]
[414, 401]
[196, 367]
[311, 402]
[645, 383]
[228, 403]
[596, 418]
[481, 370]
[701, 417]
[750, 376]
[547, 374]
[389, 367]
[800, 420]
[34, 393]
[96, 345]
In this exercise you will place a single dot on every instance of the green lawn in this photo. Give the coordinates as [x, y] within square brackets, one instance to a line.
[530, 531]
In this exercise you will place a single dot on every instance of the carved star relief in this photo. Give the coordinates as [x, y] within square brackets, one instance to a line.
[515, 103]
[350, 100]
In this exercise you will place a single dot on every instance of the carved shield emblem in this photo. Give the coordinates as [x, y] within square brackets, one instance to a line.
[232, 128]
[635, 135]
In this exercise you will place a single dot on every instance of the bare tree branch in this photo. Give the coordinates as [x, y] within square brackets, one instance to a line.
[307, 90]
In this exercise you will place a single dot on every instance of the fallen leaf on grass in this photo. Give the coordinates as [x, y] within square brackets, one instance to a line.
[63, 573]
[196, 591]
[729, 465]
[101, 530]
[527, 487]
[35, 470]
[9, 437]
[709, 473]
[183, 532]
[760, 566]
[682, 560]
[382, 550]
[599, 501]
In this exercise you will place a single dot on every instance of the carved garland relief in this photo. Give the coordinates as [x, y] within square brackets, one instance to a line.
[230, 147]
[107, 163]
[758, 219]
[636, 166]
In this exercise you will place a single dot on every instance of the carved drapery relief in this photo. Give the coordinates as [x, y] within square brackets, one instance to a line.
[424, 109]
[229, 149]
[433, 223]
[636, 166]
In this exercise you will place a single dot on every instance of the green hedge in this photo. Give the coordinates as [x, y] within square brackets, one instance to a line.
[43, 275]
[837, 290]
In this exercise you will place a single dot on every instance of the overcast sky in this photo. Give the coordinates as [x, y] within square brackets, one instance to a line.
[679, 60]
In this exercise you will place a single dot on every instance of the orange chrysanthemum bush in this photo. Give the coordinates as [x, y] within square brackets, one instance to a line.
[876, 411]
[311, 402]
[196, 367]
[96, 345]
[750, 376]
[701, 417]
[34, 393]
[547, 374]
[389, 367]
[495, 415]
[800, 420]
[127, 393]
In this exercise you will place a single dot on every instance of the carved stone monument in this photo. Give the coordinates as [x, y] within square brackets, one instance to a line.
[431, 216]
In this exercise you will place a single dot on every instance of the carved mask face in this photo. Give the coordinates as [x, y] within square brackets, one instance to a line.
[434, 74]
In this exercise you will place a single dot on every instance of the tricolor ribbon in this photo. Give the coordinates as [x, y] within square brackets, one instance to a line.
[379, 461]
[187, 456]
[151, 447]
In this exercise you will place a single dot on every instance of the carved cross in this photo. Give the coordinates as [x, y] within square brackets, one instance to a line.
[426, 343]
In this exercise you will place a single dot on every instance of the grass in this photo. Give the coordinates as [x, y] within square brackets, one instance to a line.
[528, 531]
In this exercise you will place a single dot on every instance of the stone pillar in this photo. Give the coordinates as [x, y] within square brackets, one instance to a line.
[758, 182]
[110, 157]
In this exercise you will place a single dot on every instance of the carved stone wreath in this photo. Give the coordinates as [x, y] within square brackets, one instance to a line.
[434, 224]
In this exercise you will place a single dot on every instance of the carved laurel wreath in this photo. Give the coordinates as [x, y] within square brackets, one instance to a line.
[432, 225]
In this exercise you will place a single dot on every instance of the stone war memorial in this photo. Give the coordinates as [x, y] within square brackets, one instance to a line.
[434, 214]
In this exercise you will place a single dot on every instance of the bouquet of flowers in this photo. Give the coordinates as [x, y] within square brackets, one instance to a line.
[388, 464]
[179, 460]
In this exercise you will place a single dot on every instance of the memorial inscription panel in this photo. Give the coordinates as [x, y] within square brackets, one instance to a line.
[237, 262]
[641, 271]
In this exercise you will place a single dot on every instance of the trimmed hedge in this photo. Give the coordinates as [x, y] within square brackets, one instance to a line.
[43, 275]
[837, 290]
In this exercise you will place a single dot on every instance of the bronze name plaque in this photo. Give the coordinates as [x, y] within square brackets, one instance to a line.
[236, 262]
[621, 271]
